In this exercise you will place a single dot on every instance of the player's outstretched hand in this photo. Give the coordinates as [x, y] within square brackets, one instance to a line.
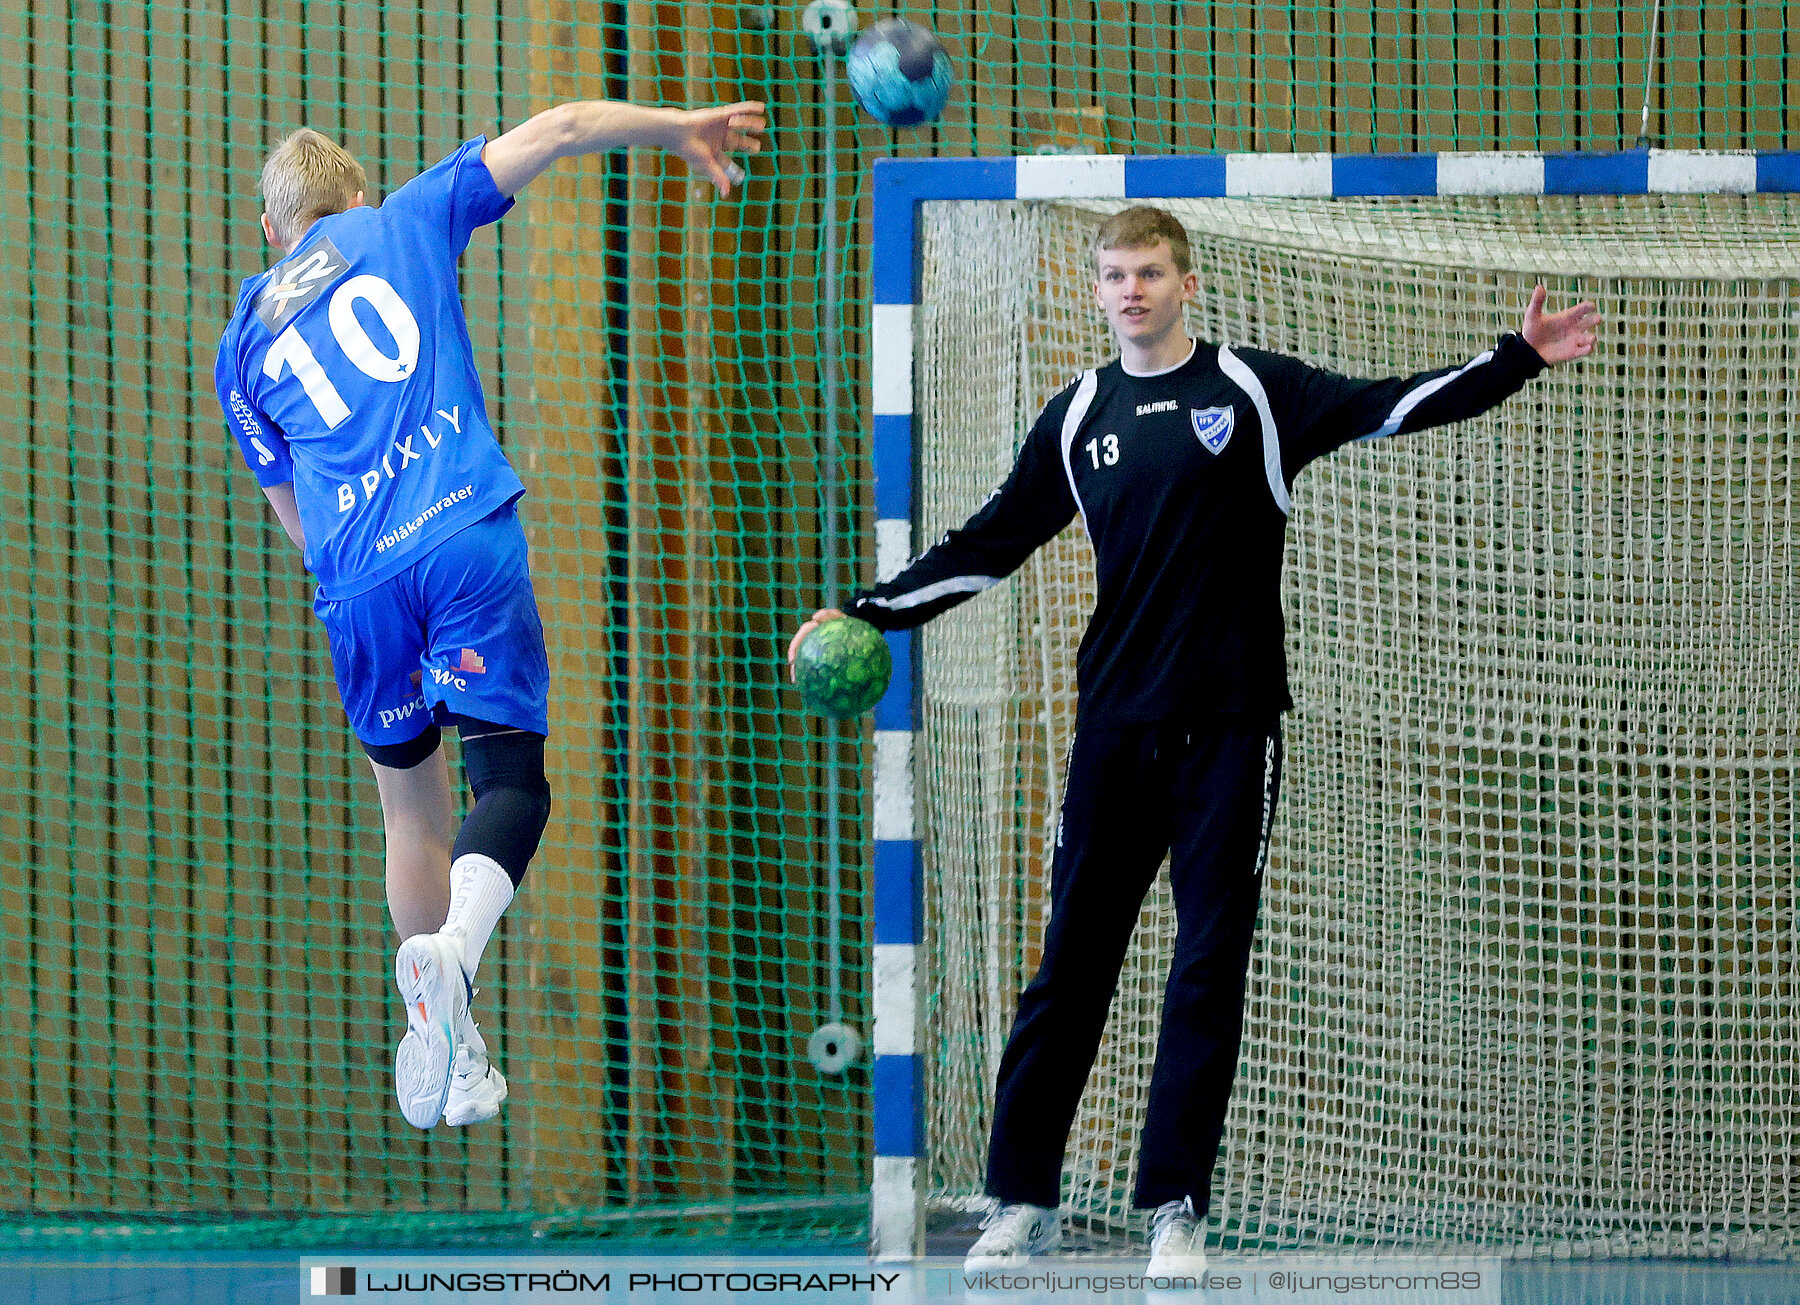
[1560, 337]
[813, 622]
[707, 137]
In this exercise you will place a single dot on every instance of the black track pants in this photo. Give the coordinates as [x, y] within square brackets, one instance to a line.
[1204, 792]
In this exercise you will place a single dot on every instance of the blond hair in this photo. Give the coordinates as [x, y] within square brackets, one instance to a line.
[1139, 228]
[308, 177]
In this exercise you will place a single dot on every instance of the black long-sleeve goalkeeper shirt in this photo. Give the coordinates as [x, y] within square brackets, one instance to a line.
[1182, 479]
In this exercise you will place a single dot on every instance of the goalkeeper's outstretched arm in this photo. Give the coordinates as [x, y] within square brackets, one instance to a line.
[1033, 503]
[1317, 411]
[704, 137]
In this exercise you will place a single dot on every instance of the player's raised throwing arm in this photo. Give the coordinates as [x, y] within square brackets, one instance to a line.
[704, 137]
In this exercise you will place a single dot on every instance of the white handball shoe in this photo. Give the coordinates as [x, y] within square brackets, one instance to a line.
[1177, 1241]
[1013, 1234]
[428, 971]
[476, 1087]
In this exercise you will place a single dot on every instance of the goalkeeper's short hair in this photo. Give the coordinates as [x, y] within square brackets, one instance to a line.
[1141, 226]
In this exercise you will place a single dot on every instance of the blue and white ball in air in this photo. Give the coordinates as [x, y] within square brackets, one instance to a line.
[899, 73]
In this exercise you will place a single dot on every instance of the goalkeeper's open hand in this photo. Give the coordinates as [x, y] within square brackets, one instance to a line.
[1559, 337]
[813, 622]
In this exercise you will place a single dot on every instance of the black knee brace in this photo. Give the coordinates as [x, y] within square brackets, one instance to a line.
[505, 768]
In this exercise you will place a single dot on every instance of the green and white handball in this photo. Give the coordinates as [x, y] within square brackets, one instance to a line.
[842, 668]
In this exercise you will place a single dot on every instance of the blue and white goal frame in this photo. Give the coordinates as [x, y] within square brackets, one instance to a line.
[901, 185]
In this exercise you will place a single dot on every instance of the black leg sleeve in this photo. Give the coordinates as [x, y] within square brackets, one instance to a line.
[505, 768]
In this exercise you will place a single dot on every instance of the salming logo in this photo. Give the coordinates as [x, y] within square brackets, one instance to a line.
[1161, 405]
[1268, 811]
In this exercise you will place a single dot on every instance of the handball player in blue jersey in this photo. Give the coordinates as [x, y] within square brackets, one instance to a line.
[348, 380]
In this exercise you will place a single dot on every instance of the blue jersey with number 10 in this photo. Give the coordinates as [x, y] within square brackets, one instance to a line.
[347, 369]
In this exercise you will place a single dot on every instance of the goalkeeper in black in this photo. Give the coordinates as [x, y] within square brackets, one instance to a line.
[1179, 456]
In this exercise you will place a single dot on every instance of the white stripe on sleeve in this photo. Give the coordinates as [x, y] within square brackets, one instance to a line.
[959, 584]
[1250, 383]
[1072, 419]
[1419, 393]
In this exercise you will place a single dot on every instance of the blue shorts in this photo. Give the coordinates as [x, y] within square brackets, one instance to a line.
[458, 628]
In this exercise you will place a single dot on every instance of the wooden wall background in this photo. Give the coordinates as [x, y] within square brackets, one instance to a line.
[192, 938]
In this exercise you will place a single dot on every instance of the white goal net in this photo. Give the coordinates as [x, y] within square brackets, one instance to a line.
[1524, 978]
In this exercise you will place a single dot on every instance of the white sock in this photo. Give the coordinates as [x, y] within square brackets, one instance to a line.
[479, 891]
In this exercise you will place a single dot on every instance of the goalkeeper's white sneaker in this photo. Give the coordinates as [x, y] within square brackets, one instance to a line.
[1012, 1234]
[476, 1087]
[428, 971]
[1177, 1241]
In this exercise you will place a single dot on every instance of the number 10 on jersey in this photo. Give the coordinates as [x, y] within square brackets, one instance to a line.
[292, 352]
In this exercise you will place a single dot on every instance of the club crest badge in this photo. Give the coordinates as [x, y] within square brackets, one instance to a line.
[1213, 426]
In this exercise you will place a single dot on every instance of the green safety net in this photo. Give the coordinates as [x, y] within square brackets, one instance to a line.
[192, 932]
